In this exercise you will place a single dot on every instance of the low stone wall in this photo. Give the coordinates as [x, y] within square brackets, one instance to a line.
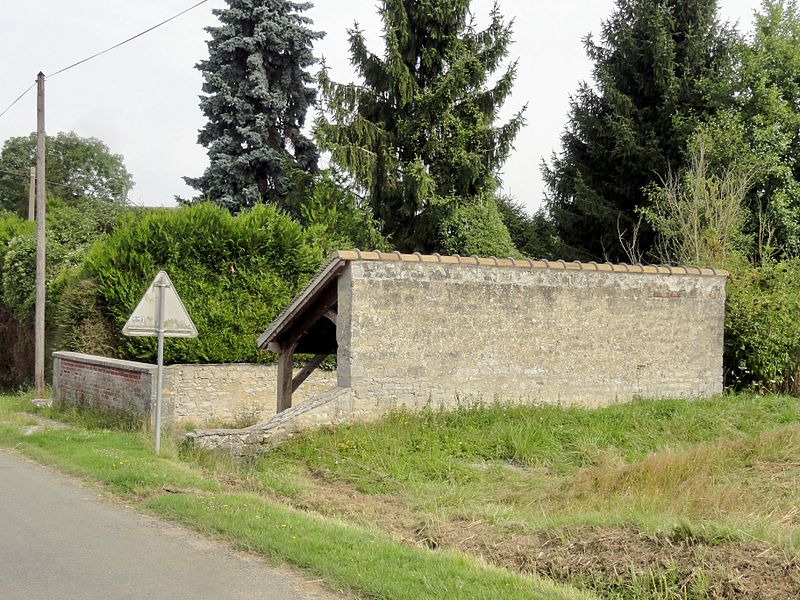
[231, 393]
[201, 395]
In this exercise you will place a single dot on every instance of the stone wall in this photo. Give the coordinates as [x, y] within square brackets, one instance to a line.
[200, 395]
[231, 393]
[421, 334]
[442, 335]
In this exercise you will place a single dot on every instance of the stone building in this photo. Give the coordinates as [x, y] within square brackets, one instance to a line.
[416, 331]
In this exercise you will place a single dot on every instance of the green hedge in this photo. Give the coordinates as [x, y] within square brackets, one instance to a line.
[762, 327]
[234, 275]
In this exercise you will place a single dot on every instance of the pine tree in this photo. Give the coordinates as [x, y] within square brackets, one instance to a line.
[419, 135]
[662, 67]
[256, 94]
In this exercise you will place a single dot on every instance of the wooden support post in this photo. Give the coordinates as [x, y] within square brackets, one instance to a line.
[285, 388]
[307, 369]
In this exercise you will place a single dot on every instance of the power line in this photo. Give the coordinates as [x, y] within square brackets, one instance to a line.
[122, 43]
[20, 97]
[27, 175]
[88, 58]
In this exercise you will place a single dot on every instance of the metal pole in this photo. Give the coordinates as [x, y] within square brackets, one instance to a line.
[160, 324]
[38, 366]
[32, 196]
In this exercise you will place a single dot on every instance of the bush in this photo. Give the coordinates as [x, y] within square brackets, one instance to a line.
[234, 275]
[70, 232]
[762, 327]
[324, 201]
[476, 228]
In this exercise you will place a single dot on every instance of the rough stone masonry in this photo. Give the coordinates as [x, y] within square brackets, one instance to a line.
[420, 331]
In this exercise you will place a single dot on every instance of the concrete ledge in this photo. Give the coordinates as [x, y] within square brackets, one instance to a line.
[102, 361]
[332, 407]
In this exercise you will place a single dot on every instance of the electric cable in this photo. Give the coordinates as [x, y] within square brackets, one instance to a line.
[93, 56]
[20, 97]
[122, 43]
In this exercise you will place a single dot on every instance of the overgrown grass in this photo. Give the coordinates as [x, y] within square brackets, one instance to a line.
[726, 464]
[438, 446]
[361, 559]
[359, 505]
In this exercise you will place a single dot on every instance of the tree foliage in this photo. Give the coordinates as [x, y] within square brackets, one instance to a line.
[324, 200]
[256, 94]
[419, 134]
[234, 275]
[759, 132]
[700, 217]
[77, 168]
[762, 331]
[661, 67]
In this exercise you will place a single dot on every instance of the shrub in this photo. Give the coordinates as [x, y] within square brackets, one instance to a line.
[762, 326]
[325, 202]
[476, 228]
[234, 275]
[70, 232]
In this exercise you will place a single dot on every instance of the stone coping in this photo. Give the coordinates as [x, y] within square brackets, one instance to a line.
[114, 363]
[525, 263]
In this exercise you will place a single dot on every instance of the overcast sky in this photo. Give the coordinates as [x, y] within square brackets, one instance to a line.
[142, 99]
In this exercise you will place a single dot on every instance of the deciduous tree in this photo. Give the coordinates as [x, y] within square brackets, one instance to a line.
[77, 168]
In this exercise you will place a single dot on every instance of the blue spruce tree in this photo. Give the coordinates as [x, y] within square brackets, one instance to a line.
[256, 94]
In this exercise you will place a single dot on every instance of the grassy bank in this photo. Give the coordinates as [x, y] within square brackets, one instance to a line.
[348, 556]
[655, 499]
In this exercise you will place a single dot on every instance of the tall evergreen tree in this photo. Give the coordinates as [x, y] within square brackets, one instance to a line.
[256, 94]
[419, 134]
[661, 68]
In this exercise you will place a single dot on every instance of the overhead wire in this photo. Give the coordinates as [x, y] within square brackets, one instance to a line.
[109, 49]
[27, 175]
[122, 43]
[20, 97]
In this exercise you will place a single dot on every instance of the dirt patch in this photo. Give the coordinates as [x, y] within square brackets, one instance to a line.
[624, 561]
[389, 513]
[615, 562]
[42, 424]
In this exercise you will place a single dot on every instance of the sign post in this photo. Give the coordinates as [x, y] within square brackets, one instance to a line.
[160, 313]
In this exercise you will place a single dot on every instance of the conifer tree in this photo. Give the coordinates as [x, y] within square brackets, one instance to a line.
[661, 68]
[256, 94]
[419, 134]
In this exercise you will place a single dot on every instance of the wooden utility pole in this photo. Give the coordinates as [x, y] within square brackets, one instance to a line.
[40, 239]
[32, 196]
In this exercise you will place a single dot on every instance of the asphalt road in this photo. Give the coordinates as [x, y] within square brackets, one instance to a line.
[61, 540]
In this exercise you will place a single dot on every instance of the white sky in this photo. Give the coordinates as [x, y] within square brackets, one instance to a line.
[142, 99]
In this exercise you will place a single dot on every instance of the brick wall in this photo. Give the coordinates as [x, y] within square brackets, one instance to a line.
[105, 383]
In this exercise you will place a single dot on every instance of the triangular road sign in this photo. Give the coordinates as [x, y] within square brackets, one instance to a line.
[145, 322]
